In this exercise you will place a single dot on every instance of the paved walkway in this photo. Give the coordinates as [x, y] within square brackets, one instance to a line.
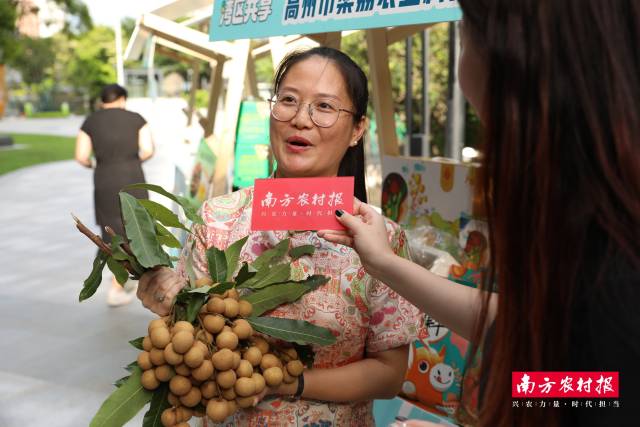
[60, 357]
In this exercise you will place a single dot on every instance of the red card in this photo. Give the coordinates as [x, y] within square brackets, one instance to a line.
[300, 203]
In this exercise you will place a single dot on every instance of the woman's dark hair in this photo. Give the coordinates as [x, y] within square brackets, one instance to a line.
[352, 164]
[112, 92]
[561, 175]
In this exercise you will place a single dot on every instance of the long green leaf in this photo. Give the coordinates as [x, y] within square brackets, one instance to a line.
[271, 297]
[190, 211]
[120, 382]
[159, 403]
[119, 254]
[123, 404]
[232, 253]
[194, 305]
[300, 251]
[91, 283]
[297, 331]
[217, 264]
[118, 270]
[162, 214]
[137, 343]
[218, 288]
[268, 276]
[270, 256]
[244, 274]
[142, 233]
[165, 237]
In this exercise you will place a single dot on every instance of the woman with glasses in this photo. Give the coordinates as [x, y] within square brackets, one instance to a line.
[316, 130]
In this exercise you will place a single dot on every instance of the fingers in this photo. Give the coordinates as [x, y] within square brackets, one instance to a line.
[157, 289]
[339, 238]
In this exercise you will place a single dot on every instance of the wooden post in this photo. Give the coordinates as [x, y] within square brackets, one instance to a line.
[195, 80]
[251, 87]
[382, 95]
[214, 95]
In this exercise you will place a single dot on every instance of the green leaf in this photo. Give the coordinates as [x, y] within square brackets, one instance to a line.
[91, 283]
[217, 264]
[194, 305]
[165, 237]
[120, 254]
[244, 274]
[137, 343]
[232, 253]
[119, 383]
[123, 404]
[300, 251]
[162, 214]
[142, 233]
[271, 297]
[131, 366]
[315, 280]
[218, 288]
[190, 211]
[270, 256]
[188, 267]
[268, 276]
[305, 354]
[118, 270]
[297, 331]
[159, 403]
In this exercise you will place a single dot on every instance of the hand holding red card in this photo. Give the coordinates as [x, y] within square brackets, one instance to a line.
[300, 203]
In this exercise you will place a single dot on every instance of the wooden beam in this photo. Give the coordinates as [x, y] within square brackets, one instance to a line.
[214, 96]
[187, 52]
[397, 34]
[195, 82]
[382, 95]
[251, 85]
[327, 39]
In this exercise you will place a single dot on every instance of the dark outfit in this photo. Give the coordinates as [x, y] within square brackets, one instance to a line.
[114, 139]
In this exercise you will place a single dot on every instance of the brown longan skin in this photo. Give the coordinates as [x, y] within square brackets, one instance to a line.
[245, 387]
[160, 337]
[245, 308]
[164, 373]
[215, 305]
[259, 381]
[183, 370]
[253, 355]
[144, 361]
[269, 360]
[217, 410]
[273, 376]
[171, 357]
[156, 323]
[180, 385]
[262, 344]
[232, 407]
[287, 378]
[192, 398]
[183, 414]
[204, 371]
[223, 359]
[173, 399]
[149, 380]
[245, 369]
[182, 342]
[228, 393]
[295, 368]
[237, 358]
[245, 402]
[157, 357]
[231, 308]
[213, 323]
[227, 340]
[146, 344]
[233, 294]
[242, 329]
[182, 325]
[209, 390]
[226, 379]
[194, 357]
[168, 417]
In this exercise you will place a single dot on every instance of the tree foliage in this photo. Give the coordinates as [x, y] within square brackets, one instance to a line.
[8, 15]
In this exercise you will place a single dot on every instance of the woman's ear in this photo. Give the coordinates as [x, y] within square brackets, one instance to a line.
[359, 129]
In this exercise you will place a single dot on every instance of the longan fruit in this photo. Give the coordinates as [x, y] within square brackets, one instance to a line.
[157, 356]
[215, 305]
[259, 381]
[228, 393]
[269, 360]
[245, 402]
[160, 337]
[232, 407]
[194, 357]
[203, 281]
[217, 410]
[182, 424]
[244, 369]
[149, 380]
[295, 367]
[213, 323]
[291, 353]
[173, 399]
[287, 378]
[226, 379]
[245, 387]
[171, 357]
[227, 340]
[226, 328]
[164, 373]
[183, 414]
[182, 325]
[180, 385]
[156, 323]
[192, 398]
[273, 376]
[183, 370]
[223, 359]
[237, 358]
[231, 308]
[253, 355]
[182, 341]
[208, 337]
[233, 294]
[204, 371]
[146, 344]
[245, 308]
[242, 329]
[262, 344]
[168, 417]
[144, 361]
[209, 390]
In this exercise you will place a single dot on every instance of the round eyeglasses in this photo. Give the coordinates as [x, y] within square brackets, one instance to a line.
[323, 114]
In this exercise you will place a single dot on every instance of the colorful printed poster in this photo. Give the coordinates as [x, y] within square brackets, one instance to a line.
[243, 19]
[252, 144]
[300, 203]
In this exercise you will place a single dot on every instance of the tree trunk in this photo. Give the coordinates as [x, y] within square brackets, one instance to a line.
[4, 94]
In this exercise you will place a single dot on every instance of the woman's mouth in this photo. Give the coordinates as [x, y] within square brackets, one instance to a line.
[298, 144]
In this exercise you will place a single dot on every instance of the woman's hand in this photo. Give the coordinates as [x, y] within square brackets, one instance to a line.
[366, 233]
[158, 287]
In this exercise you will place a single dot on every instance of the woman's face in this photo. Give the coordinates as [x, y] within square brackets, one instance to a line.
[301, 148]
[472, 71]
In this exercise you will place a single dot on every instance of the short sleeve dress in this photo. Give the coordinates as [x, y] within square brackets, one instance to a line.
[114, 140]
[363, 314]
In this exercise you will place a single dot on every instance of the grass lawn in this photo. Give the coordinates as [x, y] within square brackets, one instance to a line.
[36, 149]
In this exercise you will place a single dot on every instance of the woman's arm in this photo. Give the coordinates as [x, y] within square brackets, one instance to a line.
[355, 382]
[454, 305]
[83, 149]
[145, 143]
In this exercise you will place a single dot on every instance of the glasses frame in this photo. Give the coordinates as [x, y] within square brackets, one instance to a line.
[274, 99]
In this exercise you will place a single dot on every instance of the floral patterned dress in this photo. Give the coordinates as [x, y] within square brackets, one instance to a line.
[363, 313]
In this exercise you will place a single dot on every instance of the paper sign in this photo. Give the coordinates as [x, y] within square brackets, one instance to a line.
[300, 203]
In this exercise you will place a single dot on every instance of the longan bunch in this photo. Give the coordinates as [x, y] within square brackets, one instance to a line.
[219, 363]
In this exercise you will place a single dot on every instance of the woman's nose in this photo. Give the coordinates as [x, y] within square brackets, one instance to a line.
[302, 119]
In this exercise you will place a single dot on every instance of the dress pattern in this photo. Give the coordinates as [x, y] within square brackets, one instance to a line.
[364, 314]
